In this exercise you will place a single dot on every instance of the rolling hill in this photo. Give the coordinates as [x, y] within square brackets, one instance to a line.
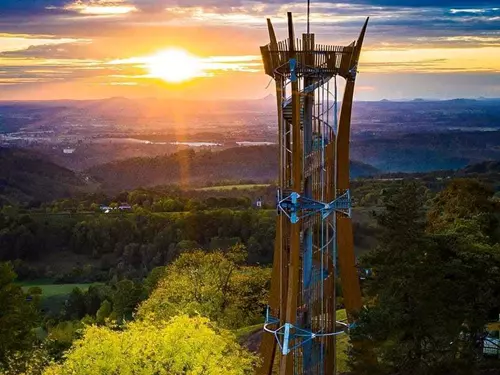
[258, 164]
[27, 177]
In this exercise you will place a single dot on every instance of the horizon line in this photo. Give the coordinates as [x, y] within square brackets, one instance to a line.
[417, 99]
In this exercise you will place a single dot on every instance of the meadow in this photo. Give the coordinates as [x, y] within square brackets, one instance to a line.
[53, 295]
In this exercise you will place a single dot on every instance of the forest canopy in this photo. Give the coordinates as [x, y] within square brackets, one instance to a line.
[179, 346]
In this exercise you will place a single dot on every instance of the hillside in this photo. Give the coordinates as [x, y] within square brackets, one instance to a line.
[426, 152]
[487, 167]
[487, 172]
[257, 163]
[27, 177]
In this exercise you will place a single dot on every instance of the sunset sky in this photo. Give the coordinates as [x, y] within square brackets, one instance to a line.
[80, 49]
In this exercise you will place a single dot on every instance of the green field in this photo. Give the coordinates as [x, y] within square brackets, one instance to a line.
[54, 290]
[231, 187]
[53, 295]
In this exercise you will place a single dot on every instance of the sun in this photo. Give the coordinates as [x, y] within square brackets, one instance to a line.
[174, 66]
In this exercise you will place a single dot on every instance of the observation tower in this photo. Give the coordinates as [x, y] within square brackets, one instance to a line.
[314, 239]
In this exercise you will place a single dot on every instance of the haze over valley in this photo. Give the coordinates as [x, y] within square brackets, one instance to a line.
[410, 136]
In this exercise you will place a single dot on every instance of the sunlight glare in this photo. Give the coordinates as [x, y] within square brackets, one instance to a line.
[175, 66]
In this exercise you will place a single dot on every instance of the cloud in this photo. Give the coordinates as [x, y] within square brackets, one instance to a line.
[391, 20]
[55, 7]
[108, 10]
[14, 44]
[76, 39]
[427, 60]
[58, 7]
[428, 3]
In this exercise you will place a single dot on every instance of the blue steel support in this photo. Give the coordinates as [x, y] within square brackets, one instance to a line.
[293, 70]
[286, 339]
[297, 207]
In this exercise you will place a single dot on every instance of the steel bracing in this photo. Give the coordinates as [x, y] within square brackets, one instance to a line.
[313, 228]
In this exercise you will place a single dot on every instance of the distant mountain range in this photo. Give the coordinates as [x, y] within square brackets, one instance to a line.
[438, 100]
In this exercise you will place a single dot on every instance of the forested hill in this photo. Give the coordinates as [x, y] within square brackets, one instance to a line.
[486, 171]
[27, 177]
[257, 163]
[487, 167]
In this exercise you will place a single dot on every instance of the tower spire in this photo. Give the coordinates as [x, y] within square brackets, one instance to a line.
[308, 16]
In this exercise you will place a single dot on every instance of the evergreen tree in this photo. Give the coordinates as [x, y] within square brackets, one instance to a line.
[428, 299]
[18, 316]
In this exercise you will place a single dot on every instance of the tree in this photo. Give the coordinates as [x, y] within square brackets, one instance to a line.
[213, 284]
[249, 297]
[465, 215]
[464, 200]
[29, 362]
[428, 299]
[126, 295]
[401, 228]
[61, 336]
[18, 316]
[94, 207]
[153, 279]
[104, 312]
[75, 308]
[180, 346]
[194, 204]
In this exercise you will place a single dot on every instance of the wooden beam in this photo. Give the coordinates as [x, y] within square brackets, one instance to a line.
[268, 344]
[347, 260]
[287, 361]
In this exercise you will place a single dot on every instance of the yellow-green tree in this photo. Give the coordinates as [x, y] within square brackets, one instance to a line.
[215, 285]
[181, 346]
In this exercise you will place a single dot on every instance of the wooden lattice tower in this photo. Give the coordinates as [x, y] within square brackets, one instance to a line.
[314, 228]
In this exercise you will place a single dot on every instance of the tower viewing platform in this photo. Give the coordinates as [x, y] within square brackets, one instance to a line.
[312, 60]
